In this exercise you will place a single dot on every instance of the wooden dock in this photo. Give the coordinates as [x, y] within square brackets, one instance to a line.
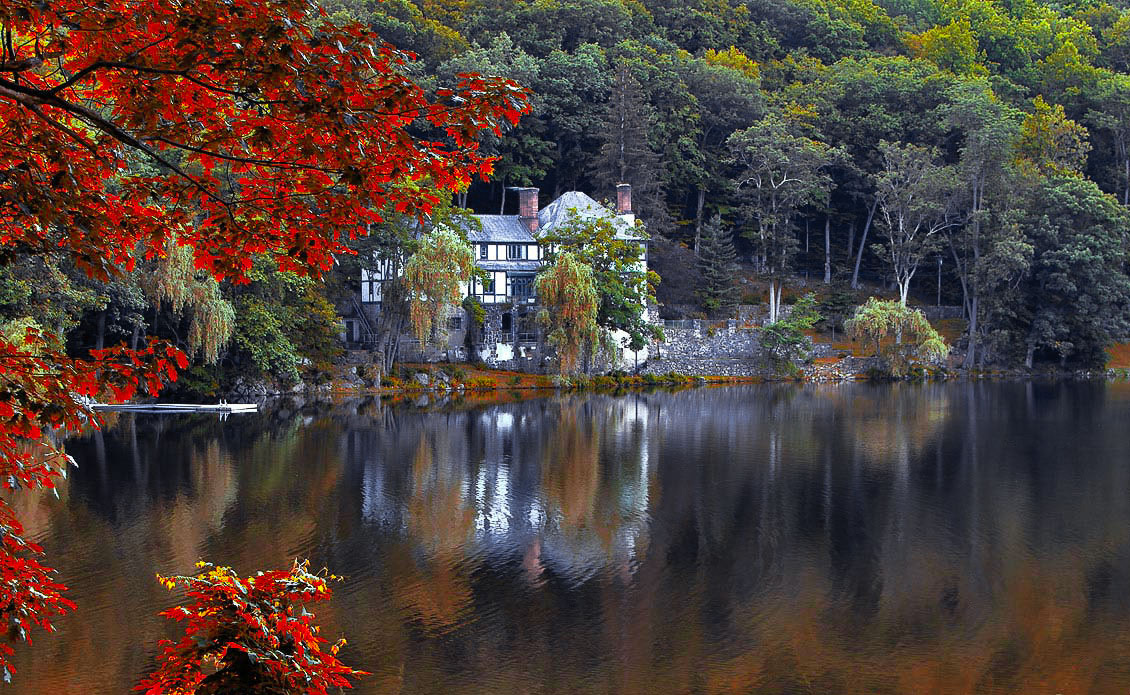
[176, 408]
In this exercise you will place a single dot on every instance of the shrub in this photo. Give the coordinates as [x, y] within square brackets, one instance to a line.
[914, 339]
[248, 635]
[482, 383]
[784, 342]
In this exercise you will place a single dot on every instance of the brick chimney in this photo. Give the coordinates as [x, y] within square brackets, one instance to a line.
[623, 199]
[528, 208]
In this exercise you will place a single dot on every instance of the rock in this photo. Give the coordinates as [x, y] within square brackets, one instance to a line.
[422, 378]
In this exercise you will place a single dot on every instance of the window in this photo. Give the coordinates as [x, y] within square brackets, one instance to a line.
[370, 291]
[515, 251]
[482, 252]
[488, 286]
[522, 287]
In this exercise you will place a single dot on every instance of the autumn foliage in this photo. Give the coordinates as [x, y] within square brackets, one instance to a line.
[248, 635]
[235, 128]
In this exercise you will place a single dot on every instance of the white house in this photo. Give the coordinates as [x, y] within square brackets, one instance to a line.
[508, 247]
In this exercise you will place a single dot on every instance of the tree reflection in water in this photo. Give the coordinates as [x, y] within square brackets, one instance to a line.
[956, 538]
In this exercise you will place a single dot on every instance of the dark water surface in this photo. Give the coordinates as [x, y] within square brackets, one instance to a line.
[958, 538]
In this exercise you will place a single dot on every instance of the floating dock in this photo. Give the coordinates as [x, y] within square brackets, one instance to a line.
[175, 408]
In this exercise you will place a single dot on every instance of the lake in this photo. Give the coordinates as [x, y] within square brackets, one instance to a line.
[855, 538]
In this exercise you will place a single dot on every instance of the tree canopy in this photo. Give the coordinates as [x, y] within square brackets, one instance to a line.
[235, 129]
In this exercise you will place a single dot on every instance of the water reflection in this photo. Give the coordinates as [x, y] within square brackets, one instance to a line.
[853, 539]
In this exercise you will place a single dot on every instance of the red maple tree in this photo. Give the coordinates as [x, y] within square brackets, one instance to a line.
[237, 127]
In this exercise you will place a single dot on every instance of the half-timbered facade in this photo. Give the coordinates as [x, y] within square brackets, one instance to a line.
[508, 248]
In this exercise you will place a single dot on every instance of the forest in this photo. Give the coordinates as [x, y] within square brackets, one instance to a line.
[969, 153]
[188, 192]
[847, 141]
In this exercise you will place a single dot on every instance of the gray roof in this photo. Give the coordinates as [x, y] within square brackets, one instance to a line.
[500, 229]
[557, 212]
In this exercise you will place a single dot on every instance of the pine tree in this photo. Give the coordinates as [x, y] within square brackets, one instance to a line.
[718, 261]
[626, 155]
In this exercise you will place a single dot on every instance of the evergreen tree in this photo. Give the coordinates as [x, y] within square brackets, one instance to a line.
[626, 154]
[718, 261]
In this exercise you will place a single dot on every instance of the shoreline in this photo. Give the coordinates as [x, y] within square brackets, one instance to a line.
[485, 382]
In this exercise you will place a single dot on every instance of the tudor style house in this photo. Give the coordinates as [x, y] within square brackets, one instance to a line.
[508, 247]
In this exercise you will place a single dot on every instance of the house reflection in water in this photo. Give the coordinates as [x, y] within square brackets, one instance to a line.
[564, 485]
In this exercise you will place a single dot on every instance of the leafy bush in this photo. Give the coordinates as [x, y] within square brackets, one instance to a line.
[912, 339]
[784, 342]
[482, 383]
[248, 635]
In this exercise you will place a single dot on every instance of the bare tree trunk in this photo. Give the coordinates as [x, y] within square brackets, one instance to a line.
[971, 349]
[827, 250]
[100, 341]
[698, 218]
[904, 288]
[502, 205]
[863, 244]
[774, 301]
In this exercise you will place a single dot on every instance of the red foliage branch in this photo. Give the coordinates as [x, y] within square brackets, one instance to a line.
[250, 635]
[236, 126]
[266, 132]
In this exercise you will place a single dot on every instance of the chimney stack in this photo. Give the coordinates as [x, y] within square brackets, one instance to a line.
[623, 199]
[528, 208]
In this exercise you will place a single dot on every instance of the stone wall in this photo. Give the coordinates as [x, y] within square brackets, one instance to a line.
[707, 348]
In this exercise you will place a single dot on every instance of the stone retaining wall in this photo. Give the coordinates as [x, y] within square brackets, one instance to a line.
[708, 349]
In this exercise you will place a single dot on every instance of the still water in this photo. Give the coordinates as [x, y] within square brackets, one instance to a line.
[957, 538]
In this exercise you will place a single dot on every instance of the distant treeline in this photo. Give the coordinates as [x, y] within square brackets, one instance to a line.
[985, 133]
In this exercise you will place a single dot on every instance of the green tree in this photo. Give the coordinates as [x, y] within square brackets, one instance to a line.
[718, 261]
[1050, 142]
[989, 130]
[917, 200]
[1074, 301]
[616, 254]
[570, 302]
[434, 278]
[780, 172]
[175, 282]
[525, 151]
[952, 47]
[1112, 117]
[727, 99]
[912, 339]
[626, 154]
[286, 331]
[785, 342]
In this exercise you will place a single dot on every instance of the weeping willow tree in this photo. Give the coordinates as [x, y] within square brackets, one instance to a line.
[902, 336]
[177, 284]
[433, 278]
[567, 292]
